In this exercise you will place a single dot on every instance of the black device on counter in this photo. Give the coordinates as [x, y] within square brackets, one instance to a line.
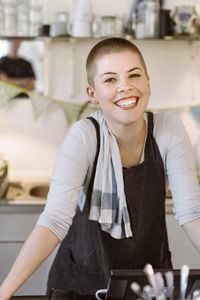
[120, 281]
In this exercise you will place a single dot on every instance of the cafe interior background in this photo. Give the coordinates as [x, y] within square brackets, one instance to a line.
[52, 39]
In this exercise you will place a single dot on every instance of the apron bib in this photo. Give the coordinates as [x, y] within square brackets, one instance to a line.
[87, 254]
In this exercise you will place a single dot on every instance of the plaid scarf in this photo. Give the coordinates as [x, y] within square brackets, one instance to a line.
[108, 202]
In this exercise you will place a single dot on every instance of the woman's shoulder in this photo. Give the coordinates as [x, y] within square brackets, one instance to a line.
[167, 121]
[81, 135]
[166, 116]
[83, 127]
[169, 132]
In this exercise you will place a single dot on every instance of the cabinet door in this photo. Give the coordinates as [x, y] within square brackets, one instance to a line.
[16, 227]
[36, 284]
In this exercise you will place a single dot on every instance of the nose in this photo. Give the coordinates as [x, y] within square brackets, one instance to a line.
[124, 86]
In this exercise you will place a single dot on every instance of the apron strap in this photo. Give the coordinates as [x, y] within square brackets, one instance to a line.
[90, 188]
[150, 121]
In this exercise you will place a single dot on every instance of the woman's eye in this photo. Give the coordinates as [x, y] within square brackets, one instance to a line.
[135, 75]
[109, 80]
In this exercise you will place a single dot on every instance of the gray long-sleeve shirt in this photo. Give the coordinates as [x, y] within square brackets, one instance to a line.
[74, 164]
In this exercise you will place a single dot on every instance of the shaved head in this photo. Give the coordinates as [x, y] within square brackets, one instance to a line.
[108, 46]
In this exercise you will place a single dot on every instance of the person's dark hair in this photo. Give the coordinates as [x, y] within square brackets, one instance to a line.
[107, 46]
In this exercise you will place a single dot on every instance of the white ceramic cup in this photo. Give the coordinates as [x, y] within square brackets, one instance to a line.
[58, 28]
[80, 28]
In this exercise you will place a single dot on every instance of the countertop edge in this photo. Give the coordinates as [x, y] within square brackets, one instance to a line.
[21, 209]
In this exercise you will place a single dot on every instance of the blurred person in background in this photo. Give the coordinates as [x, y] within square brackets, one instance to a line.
[17, 70]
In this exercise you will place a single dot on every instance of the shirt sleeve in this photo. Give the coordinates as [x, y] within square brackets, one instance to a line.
[71, 167]
[180, 166]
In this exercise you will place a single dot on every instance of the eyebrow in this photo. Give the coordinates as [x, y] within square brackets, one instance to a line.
[113, 73]
[133, 69]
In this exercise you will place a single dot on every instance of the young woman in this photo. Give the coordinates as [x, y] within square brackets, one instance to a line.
[107, 196]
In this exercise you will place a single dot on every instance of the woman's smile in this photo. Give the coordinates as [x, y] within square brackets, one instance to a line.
[127, 103]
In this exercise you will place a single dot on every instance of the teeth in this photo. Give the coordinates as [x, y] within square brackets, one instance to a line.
[126, 103]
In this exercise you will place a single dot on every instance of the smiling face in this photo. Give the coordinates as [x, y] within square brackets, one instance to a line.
[121, 88]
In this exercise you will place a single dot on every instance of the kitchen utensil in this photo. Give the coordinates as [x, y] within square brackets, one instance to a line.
[135, 287]
[195, 287]
[148, 269]
[159, 280]
[170, 283]
[184, 280]
[196, 295]
[147, 291]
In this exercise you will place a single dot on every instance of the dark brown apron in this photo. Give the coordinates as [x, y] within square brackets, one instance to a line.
[87, 254]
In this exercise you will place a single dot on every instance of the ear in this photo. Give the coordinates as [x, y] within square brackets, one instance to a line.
[91, 94]
[148, 78]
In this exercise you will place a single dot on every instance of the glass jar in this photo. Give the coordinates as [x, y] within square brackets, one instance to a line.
[23, 19]
[35, 20]
[96, 26]
[186, 21]
[10, 19]
[108, 25]
[147, 19]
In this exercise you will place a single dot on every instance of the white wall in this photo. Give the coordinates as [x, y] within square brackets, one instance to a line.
[30, 146]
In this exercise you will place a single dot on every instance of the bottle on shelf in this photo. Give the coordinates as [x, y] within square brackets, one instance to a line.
[147, 25]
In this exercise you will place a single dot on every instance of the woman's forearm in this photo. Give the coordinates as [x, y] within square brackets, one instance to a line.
[192, 229]
[36, 249]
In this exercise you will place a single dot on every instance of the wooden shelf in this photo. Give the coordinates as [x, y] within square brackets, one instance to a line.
[70, 38]
[28, 38]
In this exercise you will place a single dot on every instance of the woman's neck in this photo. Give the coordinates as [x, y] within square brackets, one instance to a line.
[131, 143]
